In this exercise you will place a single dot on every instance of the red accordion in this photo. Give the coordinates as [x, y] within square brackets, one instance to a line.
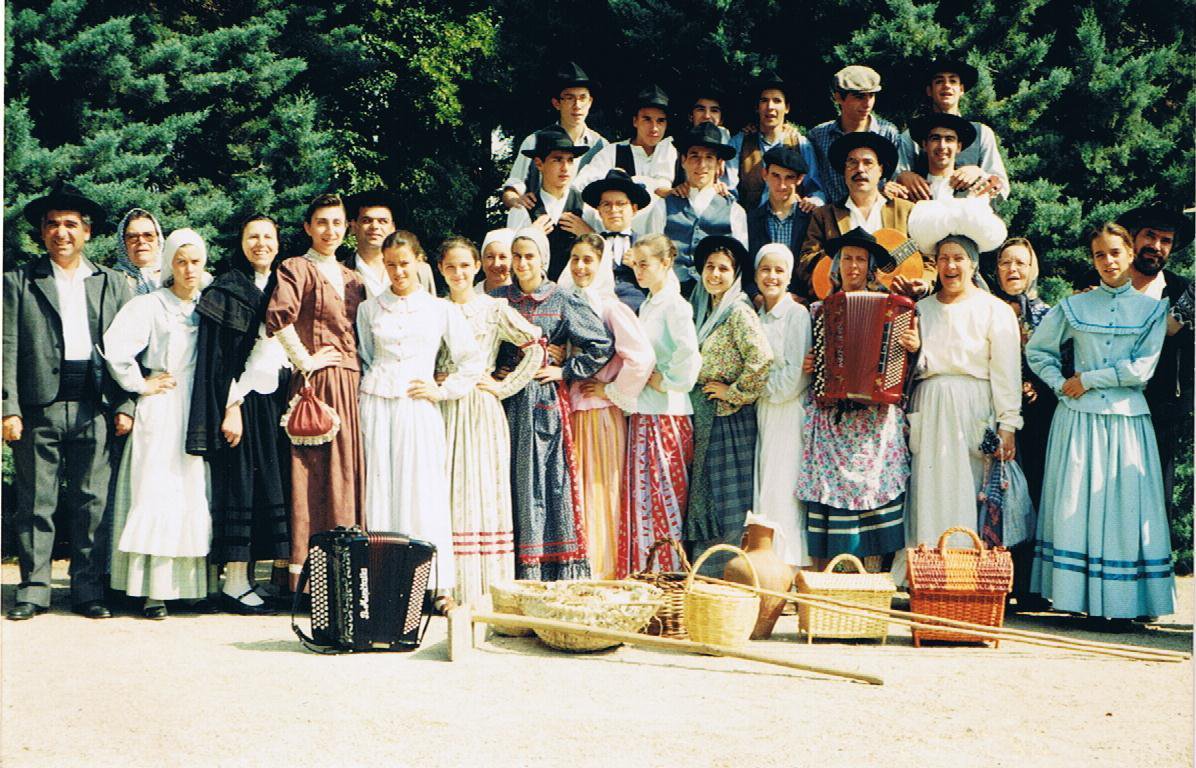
[858, 355]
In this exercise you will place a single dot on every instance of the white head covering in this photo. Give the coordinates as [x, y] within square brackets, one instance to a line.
[601, 289]
[178, 239]
[775, 249]
[932, 221]
[537, 236]
[504, 235]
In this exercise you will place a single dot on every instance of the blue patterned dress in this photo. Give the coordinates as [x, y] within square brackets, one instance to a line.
[549, 532]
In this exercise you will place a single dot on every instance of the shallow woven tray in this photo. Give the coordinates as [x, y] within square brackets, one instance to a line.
[626, 607]
[505, 597]
[870, 590]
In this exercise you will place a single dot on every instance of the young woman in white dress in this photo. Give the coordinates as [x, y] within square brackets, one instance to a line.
[400, 332]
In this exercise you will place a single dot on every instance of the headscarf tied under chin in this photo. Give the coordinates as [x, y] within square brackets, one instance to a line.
[601, 288]
[145, 284]
[707, 319]
[537, 236]
[1027, 297]
[178, 239]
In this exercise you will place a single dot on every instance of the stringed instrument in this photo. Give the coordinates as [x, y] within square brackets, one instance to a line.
[904, 251]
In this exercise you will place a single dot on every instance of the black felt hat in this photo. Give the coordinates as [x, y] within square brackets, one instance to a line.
[652, 96]
[571, 76]
[920, 126]
[704, 135]
[616, 179]
[554, 140]
[885, 151]
[64, 197]
[786, 157]
[967, 73]
[711, 243]
[861, 238]
[769, 80]
[381, 198]
[1160, 217]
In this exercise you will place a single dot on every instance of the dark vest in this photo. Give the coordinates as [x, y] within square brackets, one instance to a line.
[559, 241]
[624, 159]
[686, 229]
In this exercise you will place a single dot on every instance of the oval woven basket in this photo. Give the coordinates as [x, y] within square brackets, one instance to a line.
[505, 597]
[717, 614]
[625, 607]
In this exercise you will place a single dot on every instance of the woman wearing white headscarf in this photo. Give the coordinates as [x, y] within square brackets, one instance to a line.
[735, 363]
[780, 415]
[601, 403]
[162, 527]
[496, 260]
[550, 535]
[969, 373]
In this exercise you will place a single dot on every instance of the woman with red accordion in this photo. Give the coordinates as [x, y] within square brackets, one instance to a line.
[854, 454]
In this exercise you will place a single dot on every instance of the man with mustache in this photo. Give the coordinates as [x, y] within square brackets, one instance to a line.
[947, 79]
[853, 90]
[861, 159]
[1158, 231]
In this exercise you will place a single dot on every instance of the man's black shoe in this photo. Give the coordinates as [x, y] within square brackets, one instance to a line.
[22, 611]
[92, 609]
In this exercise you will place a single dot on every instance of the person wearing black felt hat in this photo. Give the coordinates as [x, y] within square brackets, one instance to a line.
[781, 218]
[372, 216]
[559, 209]
[771, 129]
[942, 137]
[62, 409]
[646, 156]
[862, 159]
[1158, 231]
[702, 211]
[572, 97]
[618, 199]
[946, 80]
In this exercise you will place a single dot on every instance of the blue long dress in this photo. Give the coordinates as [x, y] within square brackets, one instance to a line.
[1102, 546]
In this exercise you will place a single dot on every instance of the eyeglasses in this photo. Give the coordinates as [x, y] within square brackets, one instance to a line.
[611, 205]
[575, 98]
[133, 237]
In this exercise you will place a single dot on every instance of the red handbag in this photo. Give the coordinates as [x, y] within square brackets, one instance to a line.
[309, 420]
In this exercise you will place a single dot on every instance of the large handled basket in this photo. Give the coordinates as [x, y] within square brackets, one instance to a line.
[961, 584]
[870, 590]
[718, 614]
[669, 620]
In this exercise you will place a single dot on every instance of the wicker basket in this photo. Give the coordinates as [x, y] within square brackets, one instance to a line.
[669, 621]
[870, 590]
[626, 607]
[717, 614]
[505, 597]
[960, 584]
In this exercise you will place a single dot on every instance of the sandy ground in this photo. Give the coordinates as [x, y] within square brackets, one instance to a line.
[215, 690]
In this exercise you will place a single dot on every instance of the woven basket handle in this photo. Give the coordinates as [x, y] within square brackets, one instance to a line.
[676, 545]
[960, 529]
[846, 557]
[689, 580]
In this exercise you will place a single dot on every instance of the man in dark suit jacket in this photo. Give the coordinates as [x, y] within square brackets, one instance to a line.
[1159, 230]
[783, 216]
[61, 408]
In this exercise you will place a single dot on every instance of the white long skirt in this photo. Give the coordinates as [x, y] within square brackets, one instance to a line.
[778, 466]
[406, 485]
[947, 420]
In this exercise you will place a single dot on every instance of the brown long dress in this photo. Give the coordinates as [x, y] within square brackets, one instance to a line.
[327, 481]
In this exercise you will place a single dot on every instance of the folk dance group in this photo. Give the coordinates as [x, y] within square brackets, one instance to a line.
[634, 363]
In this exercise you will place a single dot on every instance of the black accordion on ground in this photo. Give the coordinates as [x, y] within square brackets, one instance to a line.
[367, 591]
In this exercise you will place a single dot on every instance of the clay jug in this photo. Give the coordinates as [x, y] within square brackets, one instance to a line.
[774, 574]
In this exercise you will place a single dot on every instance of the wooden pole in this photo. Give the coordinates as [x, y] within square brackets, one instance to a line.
[650, 641]
[979, 631]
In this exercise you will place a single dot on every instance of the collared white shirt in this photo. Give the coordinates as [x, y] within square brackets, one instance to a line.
[872, 222]
[699, 199]
[72, 304]
[520, 217]
[940, 187]
[1154, 289]
[617, 246]
[376, 280]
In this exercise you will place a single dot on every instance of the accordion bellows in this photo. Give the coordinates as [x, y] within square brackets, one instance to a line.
[858, 354]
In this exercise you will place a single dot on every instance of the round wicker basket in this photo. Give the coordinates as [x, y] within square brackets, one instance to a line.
[717, 614]
[625, 607]
[505, 597]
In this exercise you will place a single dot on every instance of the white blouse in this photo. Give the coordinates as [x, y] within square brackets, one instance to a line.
[788, 330]
[399, 337]
[158, 331]
[977, 336]
[667, 320]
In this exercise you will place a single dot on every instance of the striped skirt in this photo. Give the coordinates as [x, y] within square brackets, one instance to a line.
[600, 440]
[831, 531]
[655, 490]
[1103, 546]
